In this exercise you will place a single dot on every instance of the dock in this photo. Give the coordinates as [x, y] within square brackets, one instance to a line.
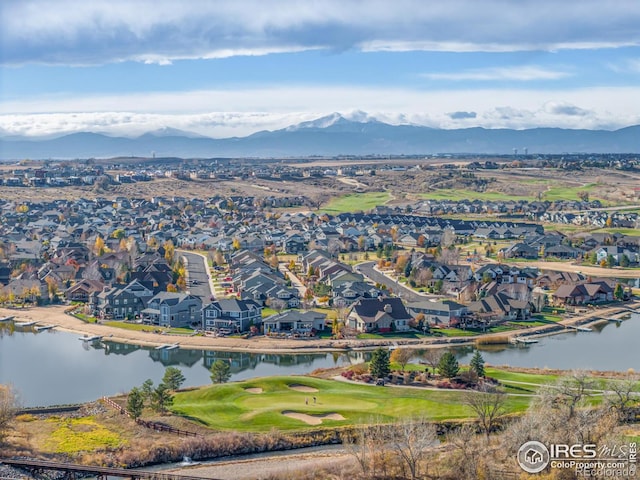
[90, 339]
[524, 340]
[172, 347]
[6, 319]
[578, 328]
[162, 347]
[25, 324]
[40, 328]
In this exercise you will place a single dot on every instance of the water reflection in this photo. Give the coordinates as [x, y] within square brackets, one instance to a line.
[51, 367]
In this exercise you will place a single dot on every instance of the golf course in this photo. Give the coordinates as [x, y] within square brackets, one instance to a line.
[302, 402]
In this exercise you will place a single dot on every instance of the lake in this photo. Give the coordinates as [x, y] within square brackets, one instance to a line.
[50, 368]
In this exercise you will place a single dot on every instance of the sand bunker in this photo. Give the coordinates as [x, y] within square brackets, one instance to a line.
[313, 419]
[253, 390]
[302, 388]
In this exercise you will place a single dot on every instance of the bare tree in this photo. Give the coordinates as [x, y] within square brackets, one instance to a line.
[367, 445]
[488, 405]
[467, 461]
[8, 408]
[432, 357]
[409, 439]
[622, 396]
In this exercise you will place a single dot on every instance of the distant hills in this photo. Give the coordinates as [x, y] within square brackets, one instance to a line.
[330, 136]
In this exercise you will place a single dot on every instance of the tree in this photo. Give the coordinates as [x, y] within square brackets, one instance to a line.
[618, 292]
[401, 356]
[477, 364]
[488, 405]
[147, 389]
[218, 258]
[448, 366]
[220, 371]
[98, 247]
[380, 367]
[173, 378]
[169, 251]
[236, 245]
[622, 396]
[624, 261]
[161, 398]
[432, 357]
[409, 439]
[135, 403]
[8, 408]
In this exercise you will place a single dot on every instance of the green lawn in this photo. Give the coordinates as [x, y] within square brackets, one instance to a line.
[363, 336]
[461, 194]
[232, 407]
[453, 332]
[623, 231]
[355, 202]
[148, 328]
[507, 376]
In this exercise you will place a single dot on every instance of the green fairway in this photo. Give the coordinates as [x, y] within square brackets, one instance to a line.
[355, 202]
[461, 194]
[233, 407]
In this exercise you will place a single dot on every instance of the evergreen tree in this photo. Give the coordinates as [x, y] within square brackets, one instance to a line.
[173, 378]
[161, 398]
[147, 389]
[135, 403]
[380, 365]
[448, 366]
[477, 364]
[220, 371]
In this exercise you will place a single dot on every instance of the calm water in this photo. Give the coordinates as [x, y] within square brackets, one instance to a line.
[51, 367]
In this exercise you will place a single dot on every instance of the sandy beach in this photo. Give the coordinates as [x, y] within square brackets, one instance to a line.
[55, 315]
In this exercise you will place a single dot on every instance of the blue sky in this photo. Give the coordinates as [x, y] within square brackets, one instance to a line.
[223, 68]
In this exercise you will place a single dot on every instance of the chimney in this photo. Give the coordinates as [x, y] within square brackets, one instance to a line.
[387, 308]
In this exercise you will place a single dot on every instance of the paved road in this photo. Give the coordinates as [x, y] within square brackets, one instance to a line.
[198, 280]
[397, 288]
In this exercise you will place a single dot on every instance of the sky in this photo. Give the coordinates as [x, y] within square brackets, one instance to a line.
[231, 68]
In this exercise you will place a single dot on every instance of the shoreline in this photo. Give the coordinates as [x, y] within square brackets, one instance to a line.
[56, 315]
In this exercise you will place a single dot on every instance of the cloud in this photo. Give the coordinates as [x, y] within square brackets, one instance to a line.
[224, 113]
[566, 109]
[520, 73]
[462, 115]
[101, 31]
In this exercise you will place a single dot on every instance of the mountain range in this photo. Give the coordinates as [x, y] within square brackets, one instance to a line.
[328, 136]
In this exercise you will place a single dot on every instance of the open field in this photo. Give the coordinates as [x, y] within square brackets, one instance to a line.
[232, 407]
[355, 202]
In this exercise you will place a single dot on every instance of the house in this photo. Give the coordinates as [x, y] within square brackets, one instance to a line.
[382, 314]
[520, 250]
[120, 302]
[170, 309]
[446, 313]
[82, 291]
[231, 315]
[295, 321]
[499, 308]
[583, 293]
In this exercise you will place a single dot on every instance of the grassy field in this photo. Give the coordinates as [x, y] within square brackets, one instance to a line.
[355, 202]
[623, 231]
[232, 407]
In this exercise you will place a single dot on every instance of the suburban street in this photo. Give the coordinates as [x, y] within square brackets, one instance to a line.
[367, 269]
[198, 278]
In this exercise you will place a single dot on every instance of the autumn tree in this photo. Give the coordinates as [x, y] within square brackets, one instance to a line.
[401, 356]
[169, 251]
[8, 408]
[98, 246]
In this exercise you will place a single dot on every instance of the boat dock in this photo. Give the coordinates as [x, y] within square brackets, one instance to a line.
[40, 328]
[25, 324]
[166, 346]
[523, 340]
[6, 319]
[578, 328]
[90, 339]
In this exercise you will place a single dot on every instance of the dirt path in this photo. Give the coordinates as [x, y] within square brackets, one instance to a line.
[276, 465]
[584, 269]
[55, 315]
